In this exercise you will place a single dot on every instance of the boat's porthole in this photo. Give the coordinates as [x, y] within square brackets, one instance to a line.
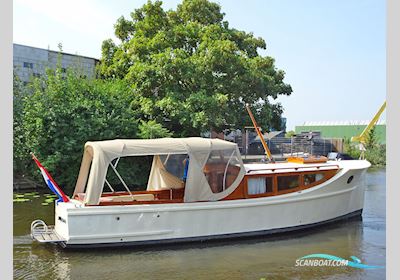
[350, 179]
[122, 239]
[158, 216]
[117, 218]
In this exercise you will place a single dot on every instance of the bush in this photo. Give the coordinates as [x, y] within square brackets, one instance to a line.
[58, 113]
[376, 155]
[351, 149]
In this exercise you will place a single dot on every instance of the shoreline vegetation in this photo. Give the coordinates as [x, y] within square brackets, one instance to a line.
[375, 152]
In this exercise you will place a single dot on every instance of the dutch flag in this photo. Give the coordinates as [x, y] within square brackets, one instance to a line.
[50, 182]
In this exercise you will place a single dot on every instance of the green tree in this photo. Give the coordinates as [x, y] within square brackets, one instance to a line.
[375, 152]
[188, 66]
[62, 112]
[20, 151]
[350, 148]
[290, 133]
[152, 129]
[377, 155]
[371, 140]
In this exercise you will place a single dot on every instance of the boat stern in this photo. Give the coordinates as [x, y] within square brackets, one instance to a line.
[57, 233]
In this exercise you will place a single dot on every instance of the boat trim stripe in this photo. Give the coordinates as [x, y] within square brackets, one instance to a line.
[129, 234]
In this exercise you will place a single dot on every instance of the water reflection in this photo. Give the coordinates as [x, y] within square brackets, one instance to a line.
[270, 258]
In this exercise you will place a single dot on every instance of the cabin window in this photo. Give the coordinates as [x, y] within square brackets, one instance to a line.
[134, 172]
[221, 169]
[259, 185]
[312, 178]
[28, 65]
[175, 164]
[288, 182]
[168, 172]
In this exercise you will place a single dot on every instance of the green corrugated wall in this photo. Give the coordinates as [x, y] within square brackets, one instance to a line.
[342, 131]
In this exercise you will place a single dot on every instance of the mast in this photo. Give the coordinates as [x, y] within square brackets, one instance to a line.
[264, 144]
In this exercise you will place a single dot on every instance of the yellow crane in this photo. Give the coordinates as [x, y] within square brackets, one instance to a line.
[362, 138]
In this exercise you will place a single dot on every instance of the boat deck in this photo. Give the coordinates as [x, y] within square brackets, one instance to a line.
[286, 167]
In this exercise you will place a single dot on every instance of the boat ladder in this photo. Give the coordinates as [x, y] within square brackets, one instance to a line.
[44, 233]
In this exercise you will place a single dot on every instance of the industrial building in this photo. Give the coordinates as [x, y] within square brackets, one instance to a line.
[342, 129]
[31, 62]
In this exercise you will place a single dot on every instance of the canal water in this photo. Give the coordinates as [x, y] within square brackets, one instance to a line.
[265, 258]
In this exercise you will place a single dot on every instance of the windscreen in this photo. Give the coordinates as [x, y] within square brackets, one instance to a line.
[221, 169]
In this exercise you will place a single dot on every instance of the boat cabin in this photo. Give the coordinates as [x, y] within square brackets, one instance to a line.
[187, 170]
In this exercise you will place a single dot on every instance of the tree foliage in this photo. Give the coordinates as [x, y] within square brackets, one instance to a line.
[19, 150]
[350, 148]
[290, 133]
[371, 140]
[375, 152]
[152, 129]
[59, 113]
[189, 67]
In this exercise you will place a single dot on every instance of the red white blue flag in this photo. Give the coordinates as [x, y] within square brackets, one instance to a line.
[50, 182]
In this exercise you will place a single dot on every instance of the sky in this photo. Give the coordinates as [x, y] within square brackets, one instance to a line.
[333, 52]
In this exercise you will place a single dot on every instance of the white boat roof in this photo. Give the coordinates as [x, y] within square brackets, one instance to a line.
[284, 167]
[137, 147]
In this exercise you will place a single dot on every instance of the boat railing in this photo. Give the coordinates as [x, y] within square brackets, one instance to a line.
[326, 167]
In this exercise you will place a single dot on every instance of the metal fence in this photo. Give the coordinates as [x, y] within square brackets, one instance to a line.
[295, 145]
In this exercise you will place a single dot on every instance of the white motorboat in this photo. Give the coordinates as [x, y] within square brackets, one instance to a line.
[218, 197]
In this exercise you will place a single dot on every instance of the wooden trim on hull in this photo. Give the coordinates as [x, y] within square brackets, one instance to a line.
[176, 241]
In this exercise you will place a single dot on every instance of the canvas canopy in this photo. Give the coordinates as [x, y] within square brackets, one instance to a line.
[98, 156]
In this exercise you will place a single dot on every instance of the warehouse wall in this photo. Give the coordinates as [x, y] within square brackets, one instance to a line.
[343, 131]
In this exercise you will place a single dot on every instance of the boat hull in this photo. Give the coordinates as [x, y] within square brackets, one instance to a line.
[221, 237]
[98, 226]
